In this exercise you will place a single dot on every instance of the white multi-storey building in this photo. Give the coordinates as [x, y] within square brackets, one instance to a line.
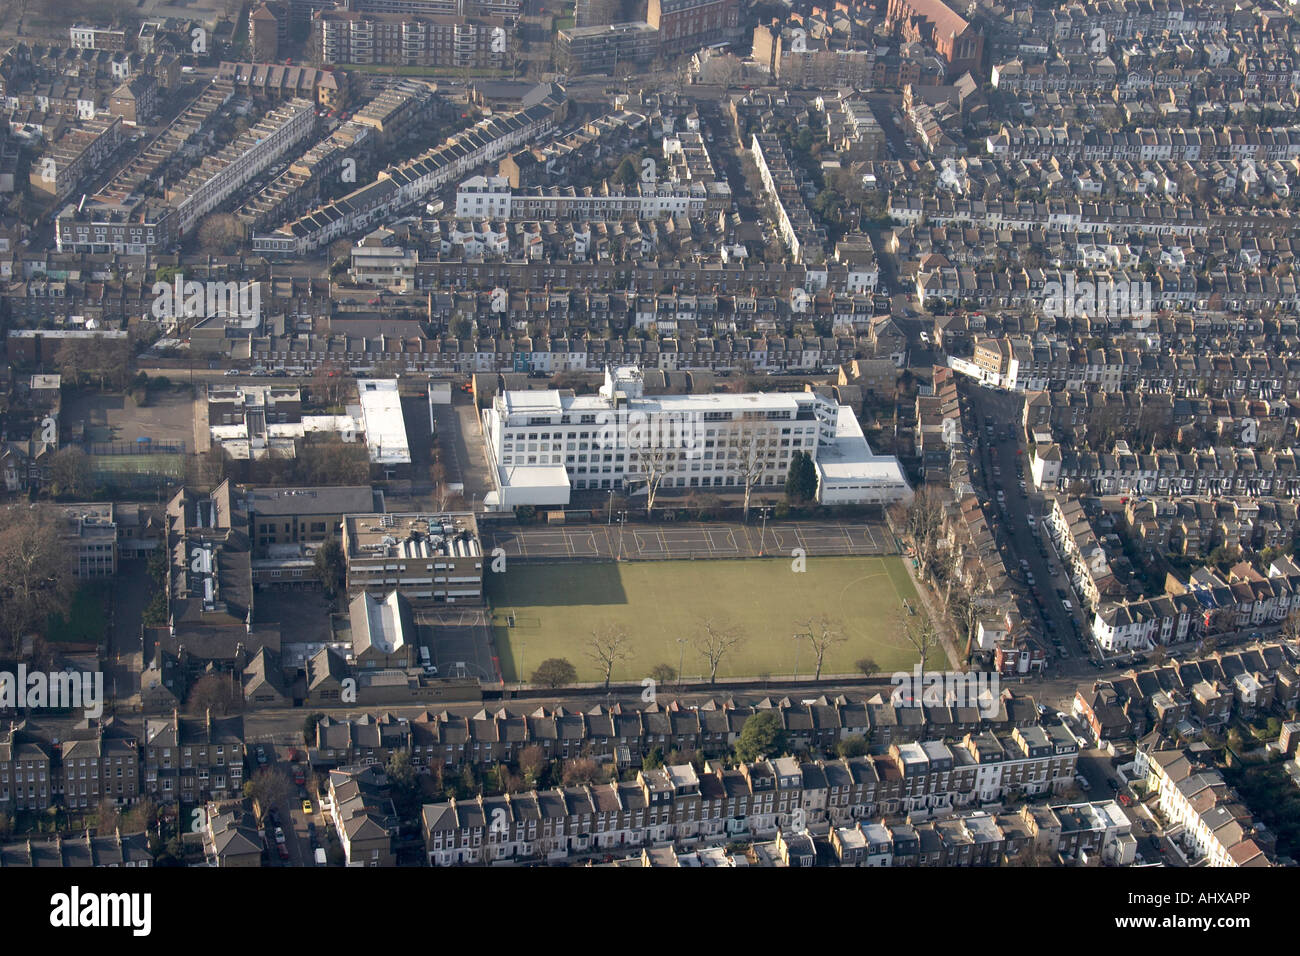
[543, 444]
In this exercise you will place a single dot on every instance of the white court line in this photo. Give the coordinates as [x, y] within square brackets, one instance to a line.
[729, 534]
[640, 543]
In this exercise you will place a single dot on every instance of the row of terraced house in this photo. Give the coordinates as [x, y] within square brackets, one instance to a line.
[754, 799]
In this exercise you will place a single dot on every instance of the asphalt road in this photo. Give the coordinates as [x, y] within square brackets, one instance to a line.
[1001, 451]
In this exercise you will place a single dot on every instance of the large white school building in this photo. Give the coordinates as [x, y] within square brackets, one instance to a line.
[544, 444]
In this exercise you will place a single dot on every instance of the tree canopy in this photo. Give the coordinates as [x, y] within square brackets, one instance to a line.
[762, 736]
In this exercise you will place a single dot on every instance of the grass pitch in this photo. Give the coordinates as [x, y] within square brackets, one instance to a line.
[550, 610]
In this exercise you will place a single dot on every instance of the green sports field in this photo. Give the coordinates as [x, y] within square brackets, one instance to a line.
[163, 464]
[555, 608]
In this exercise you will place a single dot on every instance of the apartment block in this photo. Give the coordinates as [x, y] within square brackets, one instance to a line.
[189, 759]
[108, 228]
[477, 43]
[686, 25]
[606, 48]
[84, 37]
[100, 762]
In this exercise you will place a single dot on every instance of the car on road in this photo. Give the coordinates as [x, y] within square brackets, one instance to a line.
[279, 835]
[306, 807]
[260, 754]
[284, 852]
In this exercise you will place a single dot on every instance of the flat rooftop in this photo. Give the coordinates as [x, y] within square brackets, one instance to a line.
[319, 500]
[445, 534]
[381, 411]
[850, 457]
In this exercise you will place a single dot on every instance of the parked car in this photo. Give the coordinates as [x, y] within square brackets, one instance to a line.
[306, 807]
[279, 835]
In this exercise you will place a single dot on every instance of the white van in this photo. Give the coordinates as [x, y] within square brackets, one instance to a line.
[320, 856]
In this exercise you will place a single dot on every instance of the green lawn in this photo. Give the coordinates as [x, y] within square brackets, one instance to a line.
[87, 616]
[163, 463]
[556, 607]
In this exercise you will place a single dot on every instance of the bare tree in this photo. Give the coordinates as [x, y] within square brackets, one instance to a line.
[923, 635]
[270, 787]
[1290, 629]
[35, 574]
[220, 234]
[965, 605]
[608, 648]
[715, 641]
[822, 635]
[649, 460]
[532, 762]
[326, 382]
[70, 473]
[922, 520]
[217, 693]
[107, 817]
[753, 452]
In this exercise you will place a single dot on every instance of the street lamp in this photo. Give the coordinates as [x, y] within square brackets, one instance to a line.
[764, 512]
[681, 654]
[610, 510]
[797, 639]
[519, 678]
[622, 521]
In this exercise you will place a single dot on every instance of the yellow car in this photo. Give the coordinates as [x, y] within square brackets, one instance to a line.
[306, 806]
